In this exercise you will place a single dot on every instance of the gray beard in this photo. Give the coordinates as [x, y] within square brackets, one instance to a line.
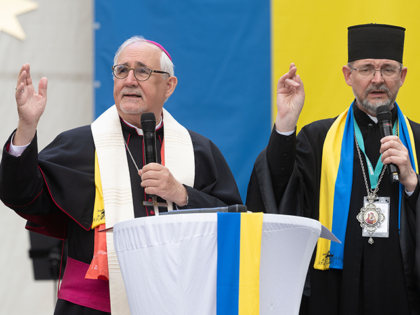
[371, 108]
[133, 111]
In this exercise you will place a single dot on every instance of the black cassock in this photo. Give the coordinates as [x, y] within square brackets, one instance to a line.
[382, 278]
[55, 191]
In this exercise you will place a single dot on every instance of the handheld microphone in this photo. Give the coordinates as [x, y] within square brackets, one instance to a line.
[148, 125]
[385, 126]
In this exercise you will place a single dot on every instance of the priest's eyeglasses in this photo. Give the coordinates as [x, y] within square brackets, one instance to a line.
[140, 73]
[387, 73]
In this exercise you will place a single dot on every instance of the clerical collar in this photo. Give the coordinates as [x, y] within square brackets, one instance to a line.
[375, 120]
[140, 131]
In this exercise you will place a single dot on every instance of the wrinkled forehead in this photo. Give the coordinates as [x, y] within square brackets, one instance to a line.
[376, 63]
[140, 54]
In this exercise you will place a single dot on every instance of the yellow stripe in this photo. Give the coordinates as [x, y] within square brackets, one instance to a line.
[249, 270]
[98, 209]
[276, 62]
[413, 145]
[330, 162]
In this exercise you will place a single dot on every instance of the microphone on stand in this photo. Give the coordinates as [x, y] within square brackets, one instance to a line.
[385, 126]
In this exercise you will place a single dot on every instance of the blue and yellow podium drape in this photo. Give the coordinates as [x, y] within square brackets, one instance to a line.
[238, 263]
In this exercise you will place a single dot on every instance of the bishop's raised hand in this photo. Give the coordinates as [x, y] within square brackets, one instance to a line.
[290, 100]
[30, 105]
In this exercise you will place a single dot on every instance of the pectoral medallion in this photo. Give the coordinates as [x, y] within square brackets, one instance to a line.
[371, 216]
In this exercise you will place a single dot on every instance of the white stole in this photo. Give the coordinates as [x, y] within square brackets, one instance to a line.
[116, 185]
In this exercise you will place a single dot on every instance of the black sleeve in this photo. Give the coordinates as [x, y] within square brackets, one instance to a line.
[271, 174]
[21, 182]
[281, 156]
[214, 184]
[254, 197]
[412, 200]
[56, 184]
[293, 165]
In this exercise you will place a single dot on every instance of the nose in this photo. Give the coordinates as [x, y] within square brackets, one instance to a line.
[377, 77]
[131, 79]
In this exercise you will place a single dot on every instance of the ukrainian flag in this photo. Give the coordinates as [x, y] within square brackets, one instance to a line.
[229, 54]
[238, 263]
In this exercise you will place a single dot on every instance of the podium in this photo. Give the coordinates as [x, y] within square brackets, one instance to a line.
[169, 263]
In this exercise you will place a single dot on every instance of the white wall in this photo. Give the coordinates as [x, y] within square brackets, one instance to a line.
[58, 46]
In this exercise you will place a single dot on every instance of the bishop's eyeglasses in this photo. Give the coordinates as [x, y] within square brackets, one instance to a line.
[368, 73]
[140, 73]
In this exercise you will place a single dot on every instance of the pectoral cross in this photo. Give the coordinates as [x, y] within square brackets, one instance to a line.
[155, 204]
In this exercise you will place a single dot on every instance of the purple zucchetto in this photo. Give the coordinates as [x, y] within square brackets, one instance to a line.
[160, 46]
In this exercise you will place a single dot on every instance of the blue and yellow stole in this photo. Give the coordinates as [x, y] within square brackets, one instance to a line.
[238, 263]
[337, 180]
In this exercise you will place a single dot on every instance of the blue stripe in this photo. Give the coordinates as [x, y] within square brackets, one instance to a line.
[405, 136]
[405, 139]
[228, 255]
[211, 44]
[343, 186]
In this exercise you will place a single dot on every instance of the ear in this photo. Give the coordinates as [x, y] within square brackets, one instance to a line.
[347, 74]
[403, 75]
[171, 83]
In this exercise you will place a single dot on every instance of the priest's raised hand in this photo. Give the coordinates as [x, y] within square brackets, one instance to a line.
[30, 105]
[290, 99]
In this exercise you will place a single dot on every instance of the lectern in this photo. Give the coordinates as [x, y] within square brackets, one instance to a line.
[170, 264]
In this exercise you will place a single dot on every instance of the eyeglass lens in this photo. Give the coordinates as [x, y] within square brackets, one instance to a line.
[388, 73]
[140, 73]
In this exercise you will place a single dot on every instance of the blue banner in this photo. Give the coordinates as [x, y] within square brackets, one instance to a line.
[221, 53]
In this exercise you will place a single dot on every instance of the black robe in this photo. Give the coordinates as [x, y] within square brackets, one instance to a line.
[382, 278]
[55, 191]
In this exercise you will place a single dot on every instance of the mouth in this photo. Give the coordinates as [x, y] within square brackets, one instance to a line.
[377, 93]
[132, 95]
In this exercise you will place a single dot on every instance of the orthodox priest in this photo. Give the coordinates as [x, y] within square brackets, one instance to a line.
[335, 170]
[92, 177]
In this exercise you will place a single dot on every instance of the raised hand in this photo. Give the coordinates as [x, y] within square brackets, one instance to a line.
[158, 180]
[290, 100]
[30, 105]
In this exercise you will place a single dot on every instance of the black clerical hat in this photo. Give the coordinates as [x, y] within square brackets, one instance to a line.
[375, 41]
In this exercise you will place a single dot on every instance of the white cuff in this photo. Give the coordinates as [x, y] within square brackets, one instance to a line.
[16, 150]
[409, 193]
[287, 133]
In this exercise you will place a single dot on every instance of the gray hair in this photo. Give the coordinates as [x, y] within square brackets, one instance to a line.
[165, 63]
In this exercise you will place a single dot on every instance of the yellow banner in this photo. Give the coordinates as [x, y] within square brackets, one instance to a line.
[313, 35]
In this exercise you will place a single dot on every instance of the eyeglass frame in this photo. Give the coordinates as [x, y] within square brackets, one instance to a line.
[374, 73]
[134, 72]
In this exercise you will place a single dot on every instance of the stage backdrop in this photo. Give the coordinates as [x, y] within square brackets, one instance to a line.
[221, 52]
[228, 55]
[313, 34]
